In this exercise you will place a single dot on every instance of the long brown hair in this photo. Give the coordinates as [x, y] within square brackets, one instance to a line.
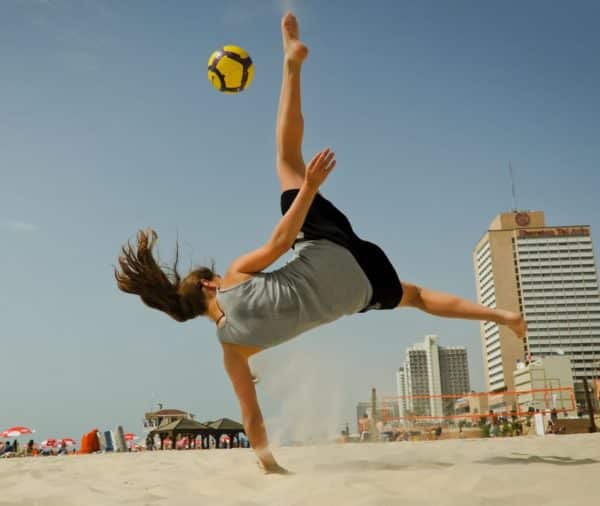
[161, 287]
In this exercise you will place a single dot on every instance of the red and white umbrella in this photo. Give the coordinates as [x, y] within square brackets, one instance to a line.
[67, 441]
[130, 436]
[49, 443]
[16, 432]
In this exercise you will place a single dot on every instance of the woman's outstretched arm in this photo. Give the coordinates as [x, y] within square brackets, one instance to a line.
[291, 222]
[239, 372]
[289, 226]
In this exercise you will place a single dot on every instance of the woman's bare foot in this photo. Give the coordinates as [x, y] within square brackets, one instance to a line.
[516, 323]
[295, 51]
[272, 468]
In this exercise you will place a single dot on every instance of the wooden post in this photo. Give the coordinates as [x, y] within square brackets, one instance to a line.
[590, 407]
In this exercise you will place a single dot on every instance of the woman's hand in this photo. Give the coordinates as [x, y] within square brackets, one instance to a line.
[319, 168]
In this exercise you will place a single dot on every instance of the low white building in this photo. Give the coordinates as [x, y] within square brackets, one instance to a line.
[549, 372]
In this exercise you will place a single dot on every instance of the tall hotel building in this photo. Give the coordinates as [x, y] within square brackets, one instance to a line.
[428, 370]
[547, 273]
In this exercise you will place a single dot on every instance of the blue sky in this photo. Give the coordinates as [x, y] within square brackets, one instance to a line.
[110, 125]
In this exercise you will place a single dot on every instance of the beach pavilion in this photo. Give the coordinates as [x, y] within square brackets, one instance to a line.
[184, 427]
[226, 427]
[191, 429]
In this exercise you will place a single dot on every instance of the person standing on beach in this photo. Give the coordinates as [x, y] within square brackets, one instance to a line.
[364, 425]
[334, 272]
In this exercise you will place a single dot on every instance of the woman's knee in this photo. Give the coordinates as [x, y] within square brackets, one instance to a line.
[411, 296]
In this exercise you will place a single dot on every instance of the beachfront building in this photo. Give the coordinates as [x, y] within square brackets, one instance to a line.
[430, 371]
[547, 273]
[401, 389]
[454, 373]
[155, 419]
[545, 376]
[471, 407]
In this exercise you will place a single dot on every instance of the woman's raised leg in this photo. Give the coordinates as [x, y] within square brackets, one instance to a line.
[290, 123]
[452, 306]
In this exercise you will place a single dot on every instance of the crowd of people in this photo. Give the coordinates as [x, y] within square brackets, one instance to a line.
[495, 425]
[186, 443]
[15, 449]
[491, 424]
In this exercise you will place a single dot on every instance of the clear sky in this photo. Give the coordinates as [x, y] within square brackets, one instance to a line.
[109, 125]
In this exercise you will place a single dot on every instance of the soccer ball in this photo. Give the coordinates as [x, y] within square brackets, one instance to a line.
[230, 69]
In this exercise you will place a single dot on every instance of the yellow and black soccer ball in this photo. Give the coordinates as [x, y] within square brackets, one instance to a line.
[230, 69]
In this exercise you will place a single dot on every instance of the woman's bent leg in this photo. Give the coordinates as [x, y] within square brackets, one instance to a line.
[290, 123]
[452, 306]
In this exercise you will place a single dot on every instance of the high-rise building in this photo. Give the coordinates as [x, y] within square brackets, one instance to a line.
[454, 369]
[431, 370]
[547, 273]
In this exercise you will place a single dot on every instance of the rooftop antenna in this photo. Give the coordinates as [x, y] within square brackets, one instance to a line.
[512, 184]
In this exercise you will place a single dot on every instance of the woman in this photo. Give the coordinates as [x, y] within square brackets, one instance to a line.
[334, 272]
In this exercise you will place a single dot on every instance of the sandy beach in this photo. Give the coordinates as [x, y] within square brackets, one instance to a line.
[554, 470]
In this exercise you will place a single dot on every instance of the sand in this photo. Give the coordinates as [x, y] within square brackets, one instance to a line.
[554, 470]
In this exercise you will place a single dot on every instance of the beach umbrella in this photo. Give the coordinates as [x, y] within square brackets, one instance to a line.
[130, 436]
[48, 443]
[16, 432]
[67, 441]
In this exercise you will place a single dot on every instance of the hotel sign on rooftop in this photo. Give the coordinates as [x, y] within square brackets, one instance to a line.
[555, 232]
